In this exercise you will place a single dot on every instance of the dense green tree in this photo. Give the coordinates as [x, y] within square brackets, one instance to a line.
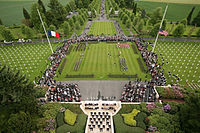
[74, 18]
[26, 14]
[71, 23]
[50, 19]
[40, 3]
[135, 9]
[125, 18]
[178, 32]
[52, 27]
[164, 24]
[190, 16]
[1, 23]
[196, 20]
[58, 12]
[184, 22]
[85, 3]
[77, 26]
[7, 35]
[143, 15]
[20, 123]
[140, 25]
[28, 32]
[35, 19]
[155, 29]
[189, 114]
[79, 4]
[156, 16]
[81, 21]
[72, 5]
[66, 27]
[112, 12]
[128, 24]
[27, 22]
[23, 28]
[198, 33]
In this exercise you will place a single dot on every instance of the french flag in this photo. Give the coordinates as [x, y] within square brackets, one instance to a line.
[53, 33]
[163, 32]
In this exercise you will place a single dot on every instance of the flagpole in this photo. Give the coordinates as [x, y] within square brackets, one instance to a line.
[45, 30]
[160, 28]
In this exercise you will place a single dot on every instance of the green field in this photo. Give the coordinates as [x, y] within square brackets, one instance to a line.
[175, 12]
[183, 60]
[30, 59]
[106, 28]
[11, 11]
[97, 61]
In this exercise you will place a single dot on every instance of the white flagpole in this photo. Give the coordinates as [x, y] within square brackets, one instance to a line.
[45, 30]
[160, 27]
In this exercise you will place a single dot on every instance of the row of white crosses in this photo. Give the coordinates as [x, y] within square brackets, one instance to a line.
[25, 58]
[183, 60]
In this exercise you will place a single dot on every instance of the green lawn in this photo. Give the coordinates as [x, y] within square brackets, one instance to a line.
[96, 61]
[120, 127]
[11, 11]
[175, 12]
[30, 59]
[98, 28]
[183, 59]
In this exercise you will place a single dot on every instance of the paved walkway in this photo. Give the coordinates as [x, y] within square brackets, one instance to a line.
[109, 89]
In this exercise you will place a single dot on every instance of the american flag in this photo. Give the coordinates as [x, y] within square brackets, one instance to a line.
[163, 32]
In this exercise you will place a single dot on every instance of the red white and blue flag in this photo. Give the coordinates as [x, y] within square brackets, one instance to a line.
[163, 32]
[53, 33]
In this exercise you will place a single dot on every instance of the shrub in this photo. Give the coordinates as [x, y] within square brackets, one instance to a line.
[140, 118]
[60, 119]
[129, 118]
[70, 117]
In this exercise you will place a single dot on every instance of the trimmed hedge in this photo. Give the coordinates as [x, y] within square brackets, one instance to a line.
[129, 118]
[141, 65]
[80, 76]
[121, 76]
[62, 66]
[60, 119]
[134, 49]
[140, 118]
[70, 117]
[79, 126]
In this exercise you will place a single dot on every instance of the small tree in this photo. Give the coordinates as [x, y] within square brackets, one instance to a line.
[28, 32]
[125, 18]
[71, 23]
[66, 27]
[1, 23]
[184, 22]
[190, 16]
[77, 26]
[178, 32]
[128, 23]
[198, 33]
[52, 27]
[140, 25]
[81, 20]
[26, 14]
[196, 20]
[6, 34]
[155, 29]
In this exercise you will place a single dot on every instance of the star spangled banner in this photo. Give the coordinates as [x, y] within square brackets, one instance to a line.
[163, 32]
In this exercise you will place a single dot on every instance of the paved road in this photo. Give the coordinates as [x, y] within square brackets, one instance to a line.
[107, 88]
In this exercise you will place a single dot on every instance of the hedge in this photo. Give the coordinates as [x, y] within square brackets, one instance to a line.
[62, 66]
[60, 119]
[70, 117]
[134, 49]
[140, 118]
[141, 65]
[129, 118]
[122, 76]
[80, 76]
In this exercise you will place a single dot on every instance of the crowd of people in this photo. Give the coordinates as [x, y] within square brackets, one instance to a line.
[138, 92]
[64, 93]
[150, 58]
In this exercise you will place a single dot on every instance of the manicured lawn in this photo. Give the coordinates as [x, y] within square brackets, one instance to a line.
[120, 127]
[97, 61]
[79, 126]
[98, 28]
[175, 12]
[183, 60]
[30, 59]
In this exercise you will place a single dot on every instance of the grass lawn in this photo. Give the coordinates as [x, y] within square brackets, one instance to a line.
[11, 11]
[183, 60]
[175, 12]
[79, 126]
[28, 58]
[96, 61]
[120, 127]
[98, 28]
